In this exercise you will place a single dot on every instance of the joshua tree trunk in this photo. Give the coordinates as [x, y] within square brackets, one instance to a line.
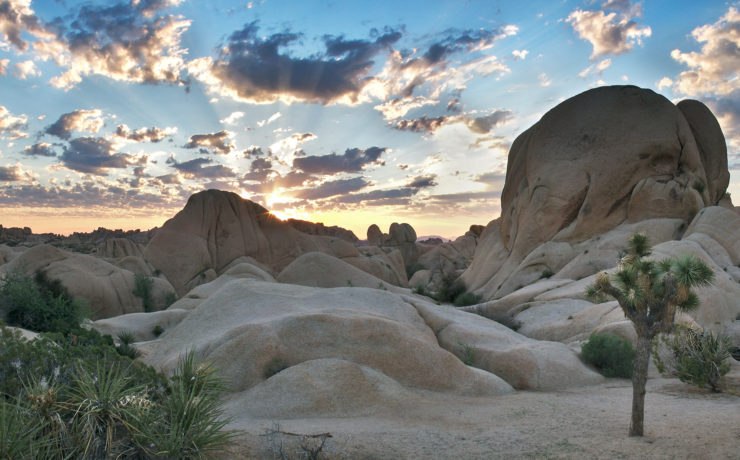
[639, 378]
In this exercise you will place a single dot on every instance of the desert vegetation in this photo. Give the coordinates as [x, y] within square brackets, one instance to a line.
[650, 293]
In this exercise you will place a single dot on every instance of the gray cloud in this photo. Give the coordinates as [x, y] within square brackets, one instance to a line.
[92, 155]
[41, 149]
[86, 194]
[379, 196]
[419, 182]
[10, 174]
[332, 188]
[422, 124]
[15, 18]
[466, 197]
[253, 68]
[198, 169]
[217, 142]
[484, 124]
[353, 160]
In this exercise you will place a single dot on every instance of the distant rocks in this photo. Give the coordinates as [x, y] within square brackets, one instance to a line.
[320, 229]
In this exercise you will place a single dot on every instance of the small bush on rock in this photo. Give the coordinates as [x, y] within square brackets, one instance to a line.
[143, 285]
[613, 356]
[698, 357]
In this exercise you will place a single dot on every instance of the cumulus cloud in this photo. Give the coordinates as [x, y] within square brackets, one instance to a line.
[260, 69]
[4, 66]
[88, 121]
[152, 134]
[520, 54]
[25, 69]
[41, 149]
[131, 41]
[422, 124]
[714, 69]
[10, 174]
[331, 188]
[397, 196]
[16, 17]
[201, 168]
[12, 125]
[353, 160]
[610, 33]
[484, 124]
[413, 79]
[93, 155]
[219, 142]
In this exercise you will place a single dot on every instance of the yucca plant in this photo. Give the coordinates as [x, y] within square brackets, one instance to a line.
[17, 436]
[695, 356]
[190, 424]
[46, 410]
[650, 293]
[104, 405]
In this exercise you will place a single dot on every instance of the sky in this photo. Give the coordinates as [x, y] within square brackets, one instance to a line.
[348, 113]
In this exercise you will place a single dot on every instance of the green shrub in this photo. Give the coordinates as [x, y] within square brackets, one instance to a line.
[413, 268]
[546, 273]
[17, 434]
[170, 298]
[698, 357]
[699, 186]
[143, 285]
[449, 290]
[39, 304]
[126, 348]
[467, 352]
[274, 366]
[613, 356]
[158, 330]
[466, 298]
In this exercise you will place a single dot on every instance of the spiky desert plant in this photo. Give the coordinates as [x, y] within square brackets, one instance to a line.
[103, 411]
[190, 423]
[17, 436]
[650, 293]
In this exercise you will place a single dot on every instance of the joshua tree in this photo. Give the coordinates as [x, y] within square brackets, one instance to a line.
[649, 293]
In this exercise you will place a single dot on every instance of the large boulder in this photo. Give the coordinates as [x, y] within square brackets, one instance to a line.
[218, 227]
[609, 157]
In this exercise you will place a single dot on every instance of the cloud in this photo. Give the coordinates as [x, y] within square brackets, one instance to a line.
[520, 54]
[89, 121]
[16, 17]
[484, 124]
[331, 188]
[130, 42]
[714, 69]
[232, 118]
[166, 179]
[610, 33]
[4, 65]
[41, 149]
[466, 197]
[491, 178]
[219, 142]
[380, 197]
[260, 69]
[10, 174]
[272, 118]
[421, 77]
[197, 169]
[87, 194]
[152, 134]
[423, 124]
[353, 160]
[420, 182]
[93, 155]
[25, 69]
[597, 68]
[476, 124]
[12, 125]
[259, 170]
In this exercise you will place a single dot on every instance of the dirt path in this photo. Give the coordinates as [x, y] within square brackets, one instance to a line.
[586, 422]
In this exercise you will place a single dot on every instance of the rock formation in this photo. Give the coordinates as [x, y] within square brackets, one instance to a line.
[217, 227]
[605, 159]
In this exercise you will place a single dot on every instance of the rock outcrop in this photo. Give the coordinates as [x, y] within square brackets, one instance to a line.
[601, 161]
[217, 227]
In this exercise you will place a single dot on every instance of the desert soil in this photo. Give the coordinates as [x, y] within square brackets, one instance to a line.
[681, 421]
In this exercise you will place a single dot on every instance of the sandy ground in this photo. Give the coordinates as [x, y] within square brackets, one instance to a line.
[681, 421]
